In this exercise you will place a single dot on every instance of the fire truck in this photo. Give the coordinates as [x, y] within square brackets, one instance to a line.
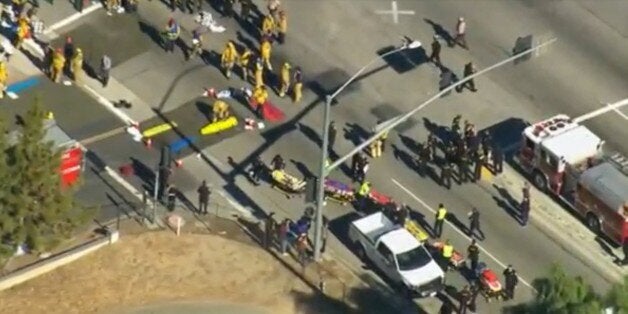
[72, 153]
[567, 160]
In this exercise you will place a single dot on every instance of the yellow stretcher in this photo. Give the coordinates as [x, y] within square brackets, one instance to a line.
[287, 182]
[415, 229]
[158, 129]
[219, 126]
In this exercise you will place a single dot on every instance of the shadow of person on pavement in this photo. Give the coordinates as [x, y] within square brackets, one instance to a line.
[333, 156]
[508, 203]
[451, 217]
[407, 159]
[355, 133]
[410, 143]
[245, 42]
[144, 173]
[310, 134]
[204, 109]
[440, 31]
[152, 33]
[302, 168]
[420, 219]
[250, 25]
[441, 132]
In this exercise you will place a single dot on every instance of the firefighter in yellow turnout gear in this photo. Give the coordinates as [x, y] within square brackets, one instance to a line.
[243, 62]
[265, 51]
[228, 58]
[56, 68]
[259, 73]
[220, 111]
[285, 79]
[4, 75]
[76, 65]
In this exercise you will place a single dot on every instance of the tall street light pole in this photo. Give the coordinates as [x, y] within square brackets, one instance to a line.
[320, 191]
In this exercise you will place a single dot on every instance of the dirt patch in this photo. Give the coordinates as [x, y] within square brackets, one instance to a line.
[158, 267]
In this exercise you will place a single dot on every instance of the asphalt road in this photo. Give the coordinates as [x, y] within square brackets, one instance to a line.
[572, 76]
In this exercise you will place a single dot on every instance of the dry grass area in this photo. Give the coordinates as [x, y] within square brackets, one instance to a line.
[154, 268]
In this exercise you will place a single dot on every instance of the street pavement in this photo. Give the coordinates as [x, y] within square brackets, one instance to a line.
[572, 76]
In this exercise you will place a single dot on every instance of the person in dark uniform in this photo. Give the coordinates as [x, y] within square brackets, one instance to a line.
[432, 143]
[464, 297]
[435, 55]
[475, 291]
[172, 197]
[203, 197]
[355, 164]
[455, 126]
[463, 170]
[473, 252]
[278, 163]
[445, 175]
[511, 279]
[469, 69]
[474, 223]
[479, 162]
[498, 159]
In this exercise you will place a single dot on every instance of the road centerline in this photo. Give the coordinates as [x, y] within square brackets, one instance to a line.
[433, 211]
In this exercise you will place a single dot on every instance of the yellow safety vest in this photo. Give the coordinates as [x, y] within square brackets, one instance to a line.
[448, 251]
[442, 213]
[364, 189]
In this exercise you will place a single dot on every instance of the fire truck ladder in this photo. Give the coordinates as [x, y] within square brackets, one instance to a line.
[621, 161]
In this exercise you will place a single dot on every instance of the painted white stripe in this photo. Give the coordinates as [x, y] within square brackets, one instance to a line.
[601, 111]
[109, 105]
[424, 204]
[621, 114]
[70, 19]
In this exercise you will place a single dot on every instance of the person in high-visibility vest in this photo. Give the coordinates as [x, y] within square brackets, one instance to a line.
[243, 62]
[297, 88]
[448, 252]
[228, 58]
[441, 214]
[76, 66]
[363, 194]
[220, 111]
[285, 79]
[171, 34]
[56, 68]
[265, 50]
[383, 139]
[260, 95]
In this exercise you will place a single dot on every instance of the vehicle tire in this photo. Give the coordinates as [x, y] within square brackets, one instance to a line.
[593, 223]
[539, 181]
[359, 250]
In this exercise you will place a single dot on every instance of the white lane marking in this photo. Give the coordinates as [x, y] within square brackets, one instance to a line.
[621, 114]
[395, 12]
[500, 263]
[609, 107]
[109, 105]
[66, 21]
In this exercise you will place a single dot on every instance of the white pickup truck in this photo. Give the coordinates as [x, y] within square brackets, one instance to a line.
[397, 254]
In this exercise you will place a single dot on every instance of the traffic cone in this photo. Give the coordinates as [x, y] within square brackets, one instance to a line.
[178, 163]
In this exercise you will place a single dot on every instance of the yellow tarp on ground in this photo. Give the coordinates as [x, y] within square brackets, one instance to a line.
[219, 126]
[158, 129]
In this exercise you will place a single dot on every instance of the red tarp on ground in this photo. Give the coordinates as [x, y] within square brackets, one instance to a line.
[272, 113]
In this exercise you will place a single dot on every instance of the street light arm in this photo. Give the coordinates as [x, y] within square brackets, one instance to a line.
[429, 101]
[364, 68]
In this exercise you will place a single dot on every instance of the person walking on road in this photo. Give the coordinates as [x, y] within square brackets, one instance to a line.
[511, 279]
[105, 69]
[363, 194]
[283, 236]
[243, 63]
[447, 253]
[464, 297]
[196, 49]
[285, 79]
[474, 224]
[268, 26]
[445, 175]
[525, 191]
[171, 34]
[525, 211]
[228, 58]
[297, 88]
[76, 66]
[469, 69]
[302, 247]
[265, 51]
[331, 136]
[259, 73]
[473, 253]
[282, 27]
[441, 215]
[203, 197]
[498, 159]
[461, 30]
[56, 68]
[435, 55]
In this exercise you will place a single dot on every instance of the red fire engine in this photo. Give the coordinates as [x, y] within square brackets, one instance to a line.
[566, 159]
[72, 154]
